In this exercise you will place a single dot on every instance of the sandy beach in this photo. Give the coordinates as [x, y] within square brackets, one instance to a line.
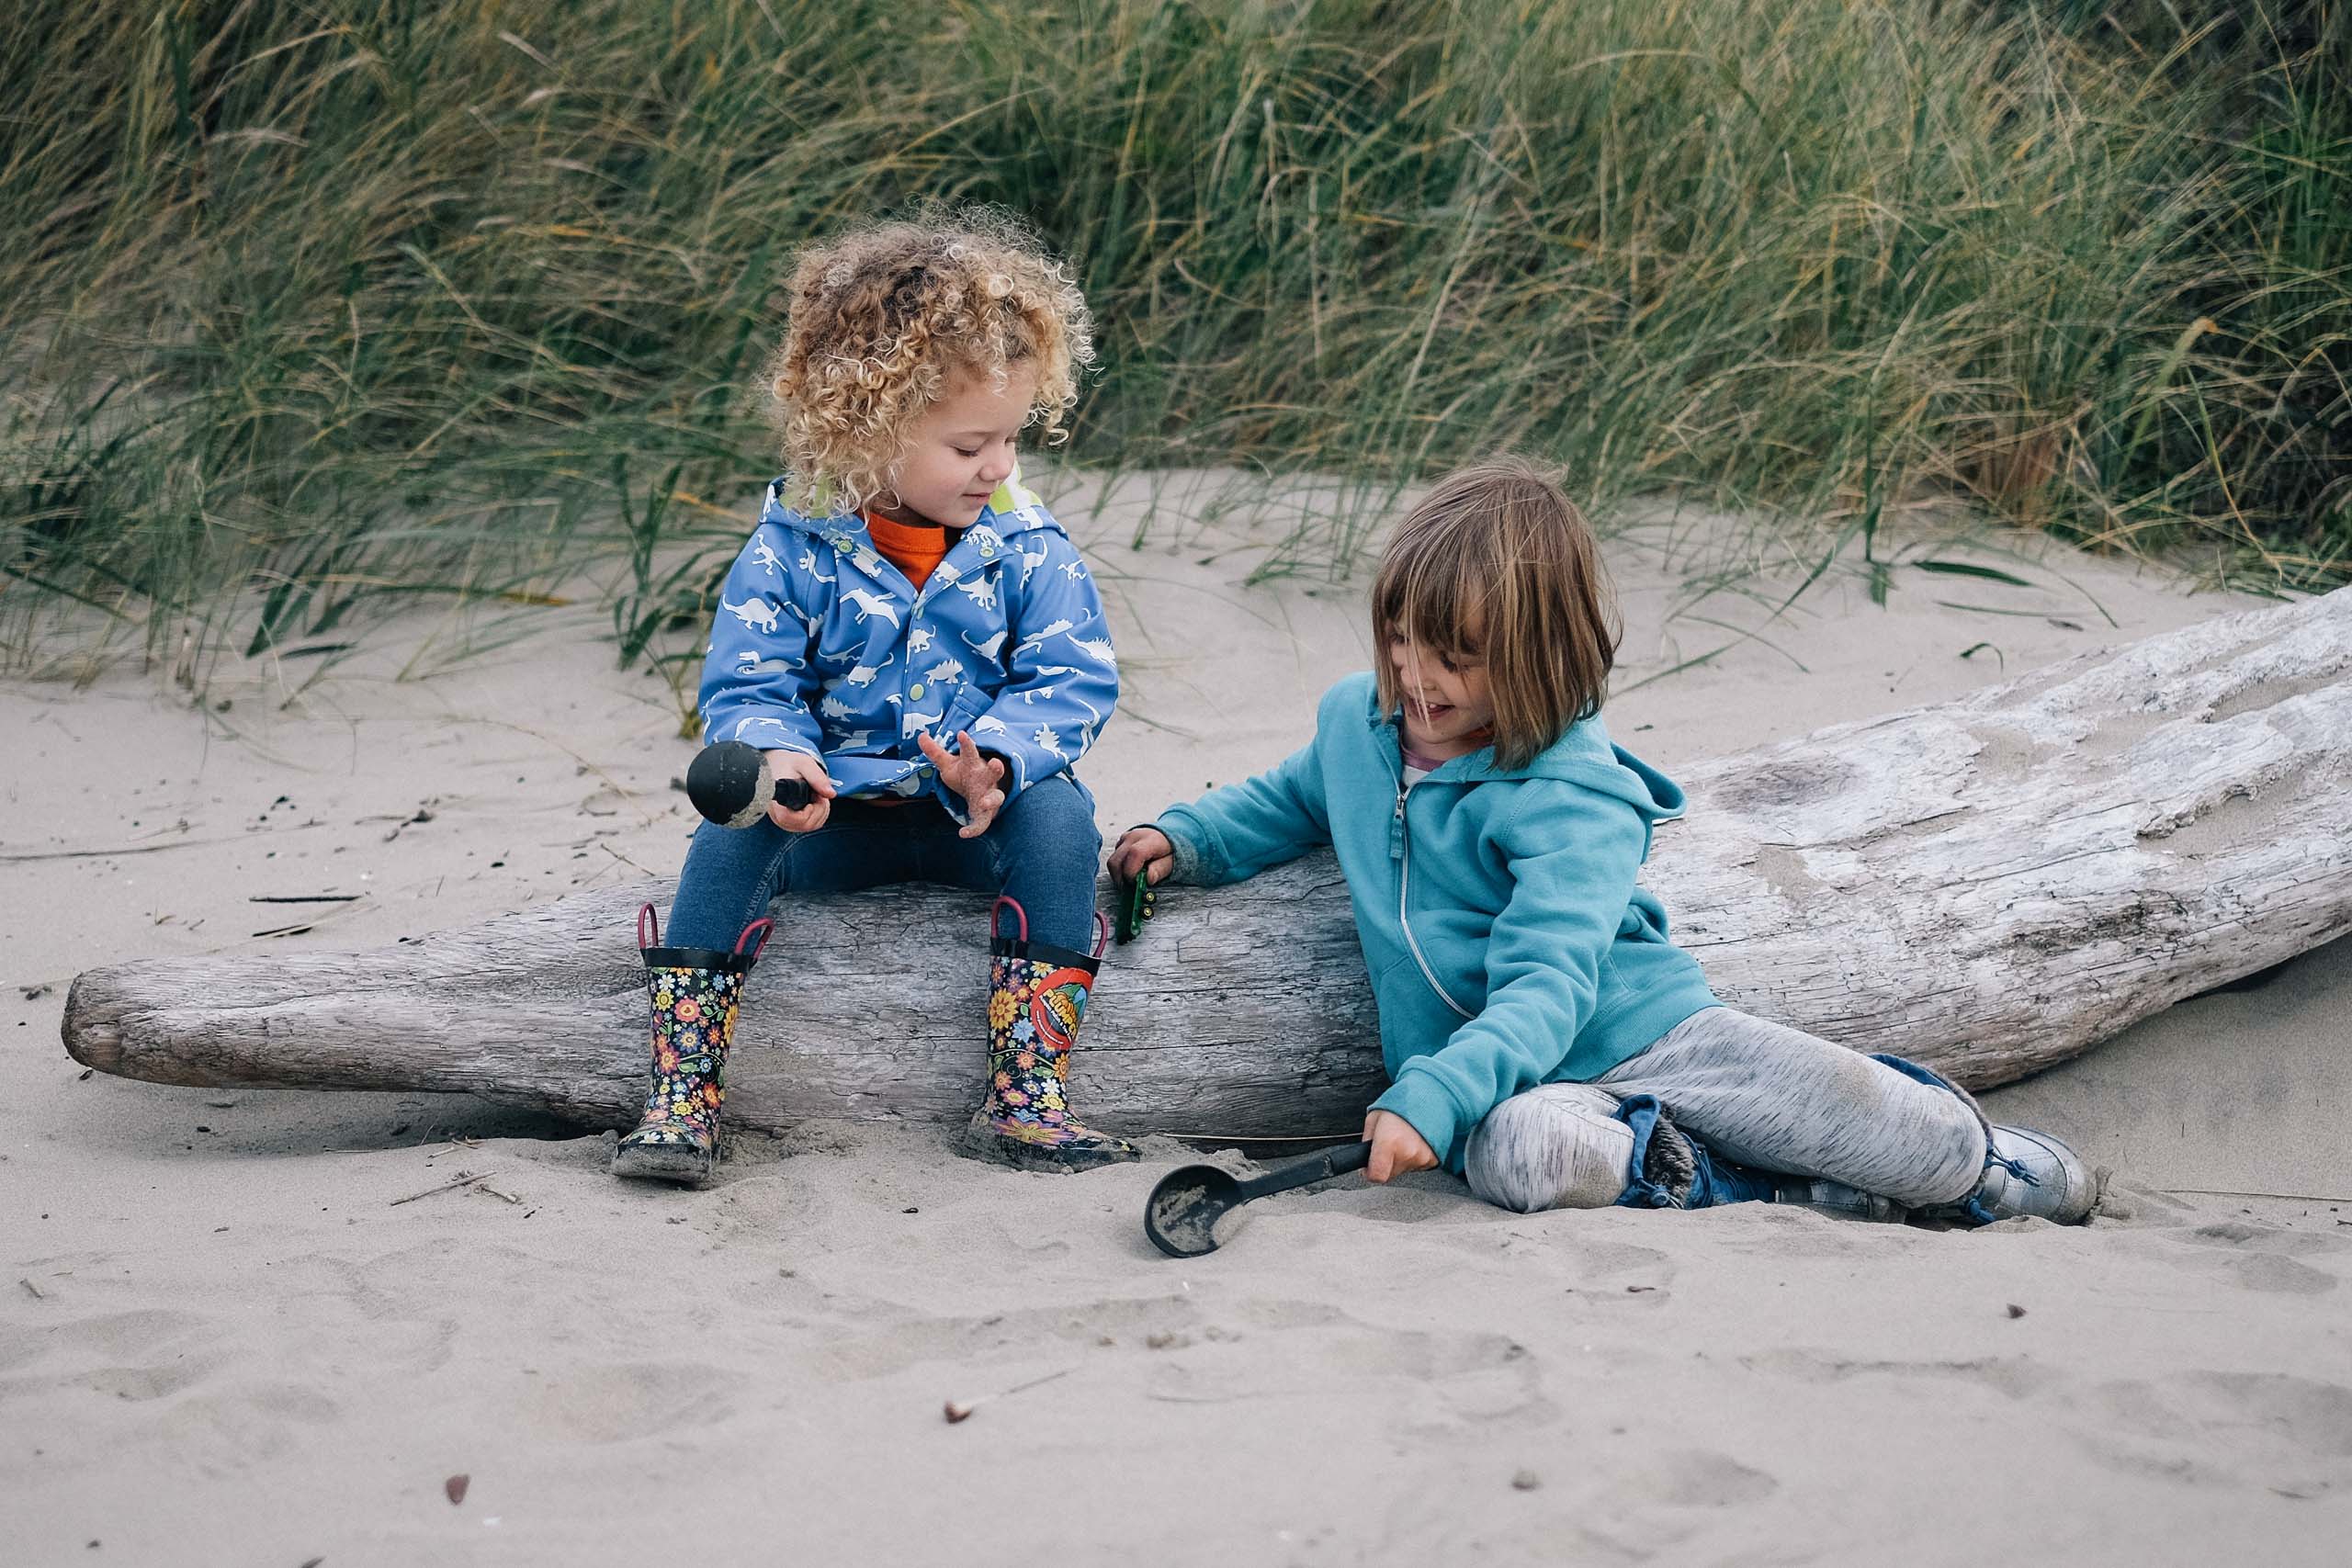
[263, 1328]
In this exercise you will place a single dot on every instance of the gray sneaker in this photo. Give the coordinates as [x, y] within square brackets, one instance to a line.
[1836, 1198]
[2029, 1173]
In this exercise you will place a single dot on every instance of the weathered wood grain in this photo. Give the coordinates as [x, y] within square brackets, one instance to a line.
[1988, 885]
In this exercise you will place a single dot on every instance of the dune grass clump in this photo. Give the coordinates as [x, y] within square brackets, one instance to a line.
[344, 303]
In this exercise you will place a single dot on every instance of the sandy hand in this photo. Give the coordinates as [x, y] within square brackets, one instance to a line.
[978, 778]
[1395, 1147]
[800, 766]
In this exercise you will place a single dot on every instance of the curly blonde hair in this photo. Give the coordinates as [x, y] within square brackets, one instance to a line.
[885, 317]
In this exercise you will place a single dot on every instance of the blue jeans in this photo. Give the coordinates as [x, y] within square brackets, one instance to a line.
[1042, 849]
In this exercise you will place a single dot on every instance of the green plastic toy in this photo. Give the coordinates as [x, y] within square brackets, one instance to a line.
[1137, 902]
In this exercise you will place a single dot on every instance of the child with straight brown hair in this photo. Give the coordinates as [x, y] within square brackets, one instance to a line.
[1543, 1034]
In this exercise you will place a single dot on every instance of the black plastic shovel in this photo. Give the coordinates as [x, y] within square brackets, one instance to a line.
[731, 783]
[1181, 1216]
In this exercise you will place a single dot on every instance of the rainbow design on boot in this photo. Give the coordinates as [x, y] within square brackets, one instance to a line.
[1037, 997]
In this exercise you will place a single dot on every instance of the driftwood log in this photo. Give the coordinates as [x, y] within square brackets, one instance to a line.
[1988, 885]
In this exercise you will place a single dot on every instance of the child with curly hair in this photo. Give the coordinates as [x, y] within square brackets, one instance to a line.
[1543, 1035]
[910, 632]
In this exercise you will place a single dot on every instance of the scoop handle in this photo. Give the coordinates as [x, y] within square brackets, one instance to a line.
[1314, 1168]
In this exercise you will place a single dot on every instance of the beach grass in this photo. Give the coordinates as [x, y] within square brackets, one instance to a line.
[310, 310]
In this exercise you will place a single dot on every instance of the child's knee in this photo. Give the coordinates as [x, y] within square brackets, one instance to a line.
[1961, 1140]
[1560, 1145]
[1056, 815]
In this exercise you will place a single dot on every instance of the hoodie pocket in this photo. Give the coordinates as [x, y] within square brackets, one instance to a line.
[1413, 1020]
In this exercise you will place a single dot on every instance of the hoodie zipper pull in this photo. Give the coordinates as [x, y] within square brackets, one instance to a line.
[1396, 826]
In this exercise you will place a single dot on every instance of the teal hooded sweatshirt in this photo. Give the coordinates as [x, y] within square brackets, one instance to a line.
[1508, 942]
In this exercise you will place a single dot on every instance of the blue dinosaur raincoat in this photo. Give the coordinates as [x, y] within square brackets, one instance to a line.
[821, 645]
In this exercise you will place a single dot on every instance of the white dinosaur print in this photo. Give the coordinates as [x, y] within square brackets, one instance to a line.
[866, 561]
[1030, 694]
[1097, 647]
[1073, 569]
[764, 554]
[983, 592]
[756, 613]
[808, 565]
[1029, 564]
[863, 674]
[1036, 639]
[945, 669]
[1048, 741]
[833, 707]
[869, 604]
[987, 648]
[749, 663]
[989, 723]
[855, 739]
[910, 785]
[918, 641]
[910, 721]
[1092, 722]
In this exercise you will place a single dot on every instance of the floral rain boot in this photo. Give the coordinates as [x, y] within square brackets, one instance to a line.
[1036, 999]
[695, 991]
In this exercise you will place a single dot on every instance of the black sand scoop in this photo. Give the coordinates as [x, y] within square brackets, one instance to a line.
[1181, 1216]
[731, 783]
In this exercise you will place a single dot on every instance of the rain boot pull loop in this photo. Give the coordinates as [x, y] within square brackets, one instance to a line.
[1102, 934]
[649, 928]
[763, 930]
[996, 913]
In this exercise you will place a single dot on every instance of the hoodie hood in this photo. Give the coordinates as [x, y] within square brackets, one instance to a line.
[1014, 509]
[1583, 756]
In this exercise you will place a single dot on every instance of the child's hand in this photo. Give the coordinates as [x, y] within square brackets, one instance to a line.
[800, 766]
[971, 776]
[1142, 854]
[1395, 1147]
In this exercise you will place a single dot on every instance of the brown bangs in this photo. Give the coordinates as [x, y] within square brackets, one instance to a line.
[1498, 564]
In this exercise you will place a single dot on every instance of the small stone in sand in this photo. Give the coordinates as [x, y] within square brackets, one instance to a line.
[1526, 1480]
[2016, 1311]
[455, 1488]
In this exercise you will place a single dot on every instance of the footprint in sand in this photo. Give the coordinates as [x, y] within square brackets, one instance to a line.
[2286, 1434]
[1702, 1478]
[238, 1424]
[142, 1355]
[2257, 1256]
[623, 1403]
[2015, 1377]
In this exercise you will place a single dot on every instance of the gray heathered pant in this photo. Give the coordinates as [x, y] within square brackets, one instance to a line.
[1754, 1091]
